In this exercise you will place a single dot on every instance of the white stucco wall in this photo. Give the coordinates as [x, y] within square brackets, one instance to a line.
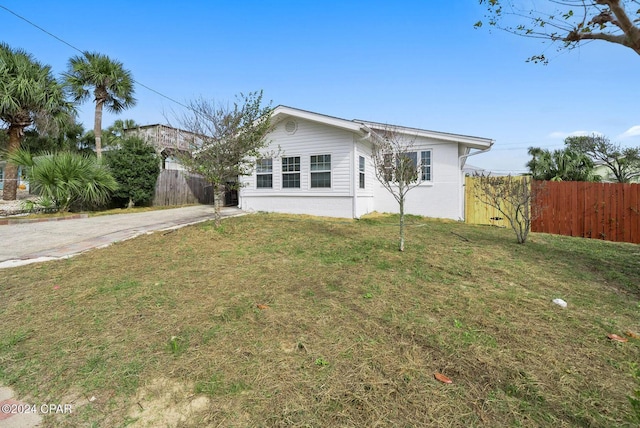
[438, 198]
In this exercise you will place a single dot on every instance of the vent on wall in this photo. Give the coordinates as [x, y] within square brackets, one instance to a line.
[290, 126]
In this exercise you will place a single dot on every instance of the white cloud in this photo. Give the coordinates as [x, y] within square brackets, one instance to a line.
[634, 131]
[562, 135]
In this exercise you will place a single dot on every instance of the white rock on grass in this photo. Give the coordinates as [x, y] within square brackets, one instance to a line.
[560, 303]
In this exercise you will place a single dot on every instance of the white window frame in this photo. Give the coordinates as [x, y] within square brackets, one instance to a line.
[325, 170]
[291, 172]
[263, 170]
[361, 170]
[426, 170]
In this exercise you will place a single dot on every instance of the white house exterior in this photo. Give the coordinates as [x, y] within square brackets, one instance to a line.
[322, 166]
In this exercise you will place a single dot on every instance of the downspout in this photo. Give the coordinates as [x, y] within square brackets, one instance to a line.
[460, 178]
[354, 200]
[355, 175]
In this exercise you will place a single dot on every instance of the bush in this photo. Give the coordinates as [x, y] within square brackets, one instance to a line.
[67, 179]
[135, 165]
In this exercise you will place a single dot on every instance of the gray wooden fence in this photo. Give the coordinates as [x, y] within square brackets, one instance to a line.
[180, 188]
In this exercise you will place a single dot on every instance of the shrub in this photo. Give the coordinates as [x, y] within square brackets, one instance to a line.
[67, 179]
[135, 165]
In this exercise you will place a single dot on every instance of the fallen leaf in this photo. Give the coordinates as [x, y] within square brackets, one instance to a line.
[632, 334]
[442, 378]
[261, 306]
[617, 338]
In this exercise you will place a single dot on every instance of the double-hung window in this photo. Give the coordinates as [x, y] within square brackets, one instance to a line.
[320, 171]
[264, 173]
[291, 172]
[361, 169]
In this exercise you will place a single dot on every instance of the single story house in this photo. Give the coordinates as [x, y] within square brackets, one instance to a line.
[322, 165]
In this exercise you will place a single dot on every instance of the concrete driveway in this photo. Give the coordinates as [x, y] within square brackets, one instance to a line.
[25, 243]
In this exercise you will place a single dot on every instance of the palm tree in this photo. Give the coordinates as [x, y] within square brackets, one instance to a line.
[29, 95]
[115, 133]
[112, 86]
[560, 165]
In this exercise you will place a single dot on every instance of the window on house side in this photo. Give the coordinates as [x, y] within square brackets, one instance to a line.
[291, 172]
[425, 163]
[361, 168]
[264, 173]
[320, 171]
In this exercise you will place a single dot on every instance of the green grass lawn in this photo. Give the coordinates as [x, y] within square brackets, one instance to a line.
[164, 330]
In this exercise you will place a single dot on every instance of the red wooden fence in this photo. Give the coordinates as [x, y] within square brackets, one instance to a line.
[609, 211]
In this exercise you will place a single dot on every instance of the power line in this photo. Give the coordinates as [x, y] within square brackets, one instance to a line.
[40, 28]
[82, 52]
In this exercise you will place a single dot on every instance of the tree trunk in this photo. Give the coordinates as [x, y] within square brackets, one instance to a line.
[218, 202]
[401, 223]
[10, 170]
[97, 127]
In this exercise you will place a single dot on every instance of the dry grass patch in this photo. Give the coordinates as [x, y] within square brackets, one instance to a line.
[352, 334]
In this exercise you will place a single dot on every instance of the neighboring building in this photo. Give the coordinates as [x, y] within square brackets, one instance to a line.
[167, 140]
[325, 168]
[607, 175]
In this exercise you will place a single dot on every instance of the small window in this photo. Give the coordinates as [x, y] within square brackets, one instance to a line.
[425, 163]
[264, 173]
[291, 172]
[361, 168]
[320, 171]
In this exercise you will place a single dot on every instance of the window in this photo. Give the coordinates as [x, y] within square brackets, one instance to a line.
[407, 163]
[425, 163]
[361, 169]
[291, 172]
[320, 171]
[425, 167]
[264, 174]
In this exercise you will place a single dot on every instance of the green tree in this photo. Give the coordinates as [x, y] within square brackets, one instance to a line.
[67, 179]
[395, 163]
[115, 133]
[561, 165]
[111, 83]
[68, 138]
[624, 163]
[229, 139]
[135, 165]
[29, 96]
[569, 22]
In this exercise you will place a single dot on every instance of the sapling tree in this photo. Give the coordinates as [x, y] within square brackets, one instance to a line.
[395, 163]
[514, 197]
[226, 140]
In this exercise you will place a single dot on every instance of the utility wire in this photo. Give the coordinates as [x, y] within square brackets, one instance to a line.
[82, 52]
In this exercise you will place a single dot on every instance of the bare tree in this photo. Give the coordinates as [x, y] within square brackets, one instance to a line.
[229, 139]
[396, 167]
[624, 163]
[570, 22]
[514, 197]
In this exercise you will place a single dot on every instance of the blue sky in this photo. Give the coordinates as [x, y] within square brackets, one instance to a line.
[411, 63]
